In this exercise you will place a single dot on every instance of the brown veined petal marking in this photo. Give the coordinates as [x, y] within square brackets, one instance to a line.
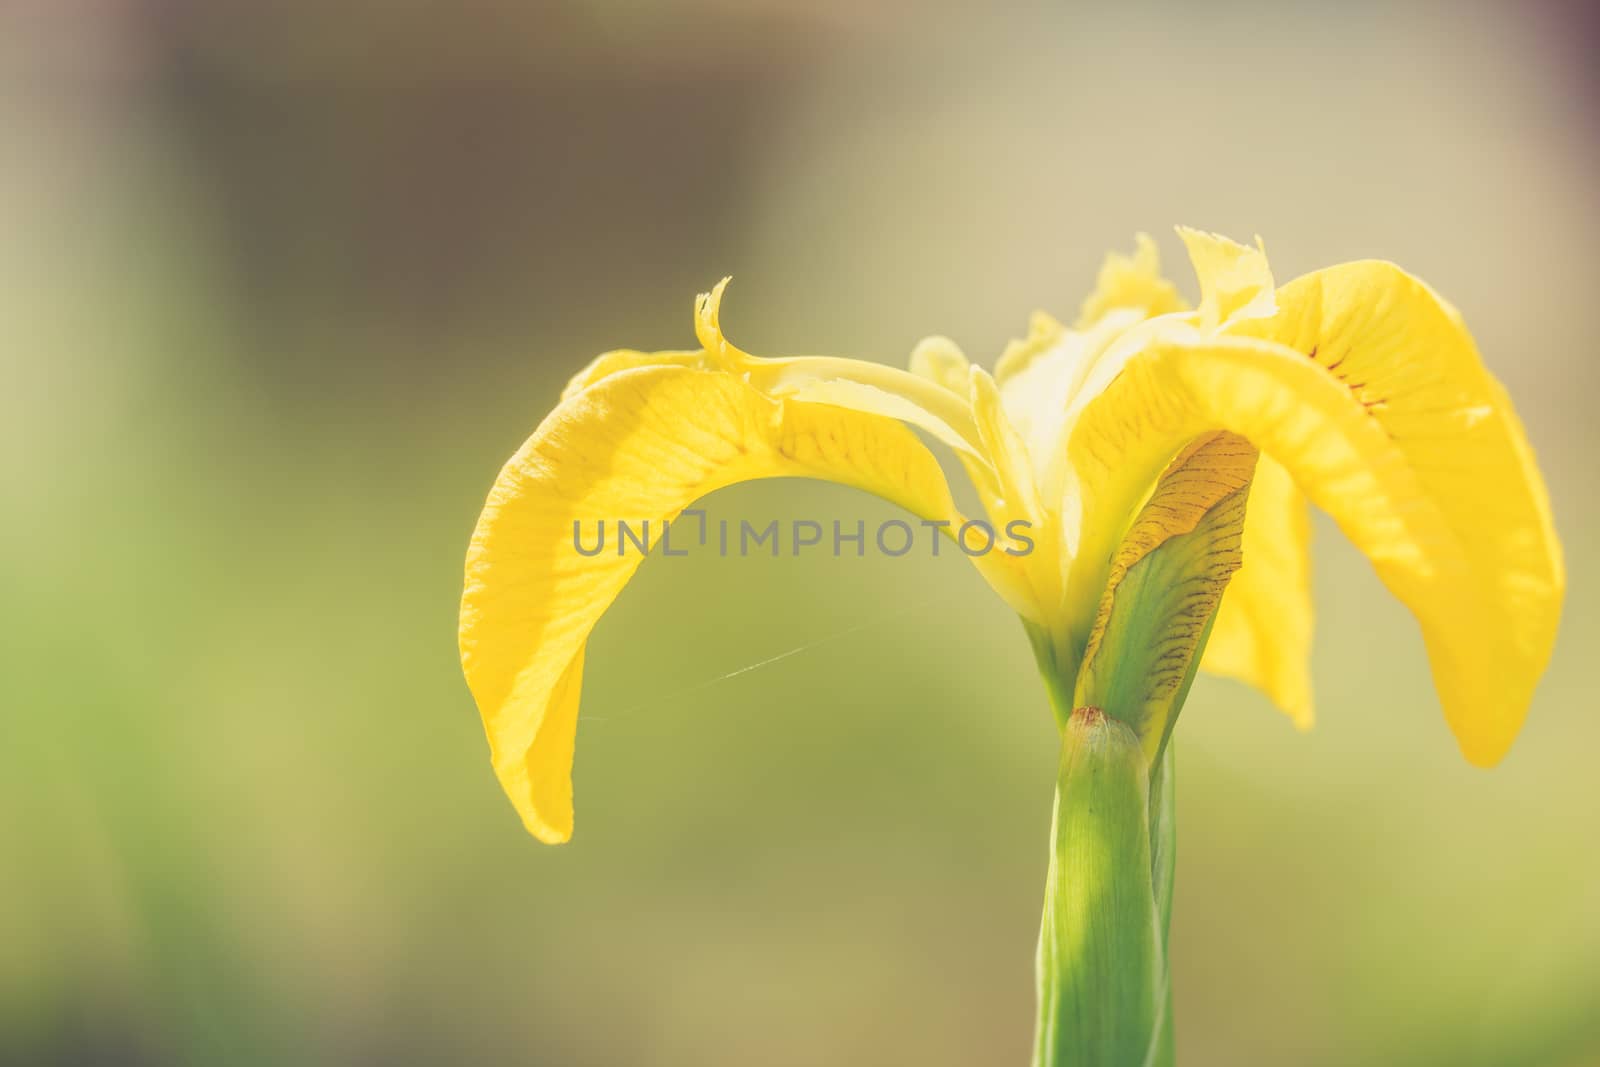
[1168, 574]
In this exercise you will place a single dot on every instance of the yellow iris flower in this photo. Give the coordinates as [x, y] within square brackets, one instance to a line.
[1355, 387]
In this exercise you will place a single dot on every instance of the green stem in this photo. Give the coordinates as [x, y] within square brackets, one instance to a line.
[1163, 869]
[1104, 990]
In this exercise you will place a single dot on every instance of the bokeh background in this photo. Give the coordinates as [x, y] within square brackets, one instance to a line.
[281, 285]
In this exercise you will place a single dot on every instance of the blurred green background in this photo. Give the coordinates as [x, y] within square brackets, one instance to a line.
[283, 283]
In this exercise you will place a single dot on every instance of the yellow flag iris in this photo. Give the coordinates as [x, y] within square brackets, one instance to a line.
[1355, 388]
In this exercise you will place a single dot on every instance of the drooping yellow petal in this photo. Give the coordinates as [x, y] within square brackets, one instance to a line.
[637, 445]
[1262, 631]
[1438, 490]
[1406, 357]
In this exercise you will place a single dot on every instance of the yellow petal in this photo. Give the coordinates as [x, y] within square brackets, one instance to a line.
[1438, 490]
[1235, 281]
[1131, 282]
[1018, 497]
[871, 388]
[1262, 632]
[941, 360]
[622, 359]
[1040, 375]
[1007, 454]
[1039, 395]
[1044, 334]
[639, 445]
[1406, 357]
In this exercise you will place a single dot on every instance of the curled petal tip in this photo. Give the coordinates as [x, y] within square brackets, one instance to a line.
[708, 318]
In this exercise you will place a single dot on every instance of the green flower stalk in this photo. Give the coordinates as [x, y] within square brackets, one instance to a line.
[1104, 993]
[1151, 467]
